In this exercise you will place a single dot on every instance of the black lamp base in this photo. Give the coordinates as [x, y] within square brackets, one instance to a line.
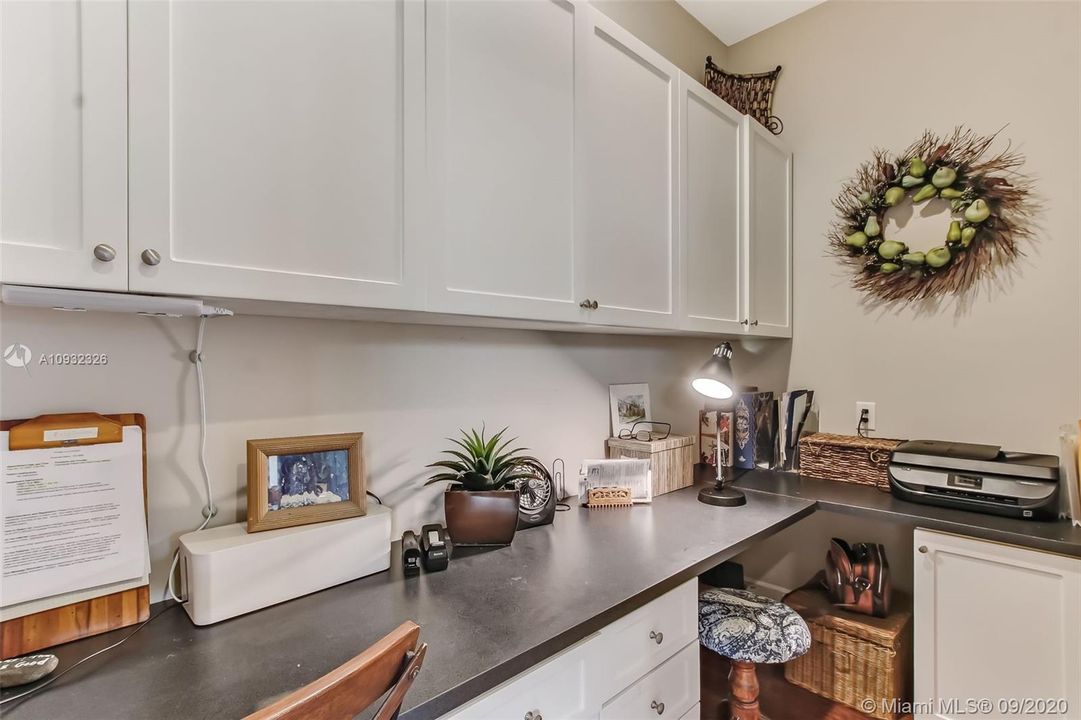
[722, 496]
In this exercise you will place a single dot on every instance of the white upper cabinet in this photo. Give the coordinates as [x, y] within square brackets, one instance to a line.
[768, 206]
[501, 118]
[626, 150]
[63, 136]
[712, 249]
[277, 149]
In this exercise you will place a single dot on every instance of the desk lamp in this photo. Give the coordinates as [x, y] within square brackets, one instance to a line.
[714, 381]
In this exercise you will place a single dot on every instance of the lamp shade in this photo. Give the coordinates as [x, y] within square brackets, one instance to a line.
[714, 380]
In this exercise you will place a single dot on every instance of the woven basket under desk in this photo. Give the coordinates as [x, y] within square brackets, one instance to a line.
[854, 657]
[846, 458]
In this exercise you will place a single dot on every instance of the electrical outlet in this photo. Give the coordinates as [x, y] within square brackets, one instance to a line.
[870, 408]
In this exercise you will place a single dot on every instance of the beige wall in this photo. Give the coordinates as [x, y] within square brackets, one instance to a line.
[860, 75]
[405, 386]
[670, 30]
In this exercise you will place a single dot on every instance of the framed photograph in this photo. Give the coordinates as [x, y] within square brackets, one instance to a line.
[629, 404]
[302, 480]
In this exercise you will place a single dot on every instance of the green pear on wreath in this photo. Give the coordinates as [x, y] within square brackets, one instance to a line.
[938, 257]
[894, 195]
[857, 239]
[925, 193]
[943, 177]
[977, 212]
[891, 249]
[872, 227]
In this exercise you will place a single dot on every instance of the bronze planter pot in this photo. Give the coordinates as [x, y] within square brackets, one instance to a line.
[486, 517]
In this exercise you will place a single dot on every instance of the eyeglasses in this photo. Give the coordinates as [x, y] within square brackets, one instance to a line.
[646, 434]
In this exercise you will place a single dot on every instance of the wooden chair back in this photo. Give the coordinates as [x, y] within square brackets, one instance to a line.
[389, 665]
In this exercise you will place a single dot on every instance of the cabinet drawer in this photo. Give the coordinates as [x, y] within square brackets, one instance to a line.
[670, 690]
[633, 645]
[694, 713]
[557, 688]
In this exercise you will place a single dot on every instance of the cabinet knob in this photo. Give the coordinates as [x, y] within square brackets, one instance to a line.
[745, 321]
[658, 706]
[533, 715]
[657, 637]
[754, 323]
[150, 257]
[922, 549]
[595, 305]
[104, 253]
[588, 304]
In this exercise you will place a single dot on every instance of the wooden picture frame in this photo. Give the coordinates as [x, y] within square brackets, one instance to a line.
[261, 455]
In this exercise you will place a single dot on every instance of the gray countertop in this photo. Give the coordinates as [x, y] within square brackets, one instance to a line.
[491, 615]
[1057, 536]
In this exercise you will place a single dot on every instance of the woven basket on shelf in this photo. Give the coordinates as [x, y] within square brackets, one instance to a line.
[846, 458]
[854, 657]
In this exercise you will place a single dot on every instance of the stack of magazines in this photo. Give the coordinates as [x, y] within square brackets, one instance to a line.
[759, 432]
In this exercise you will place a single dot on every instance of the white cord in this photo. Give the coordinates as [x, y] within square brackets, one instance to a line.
[209, 510]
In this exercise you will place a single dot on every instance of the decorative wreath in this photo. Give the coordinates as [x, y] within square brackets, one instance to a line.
[991, 208]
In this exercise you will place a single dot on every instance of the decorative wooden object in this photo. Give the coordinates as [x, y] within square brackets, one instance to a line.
[749, 94]
[671, 459]
[743, 683]
[607, 497]
[26, 634]
[261, 518]
[846, 458]
[854, 657]
[389, 666]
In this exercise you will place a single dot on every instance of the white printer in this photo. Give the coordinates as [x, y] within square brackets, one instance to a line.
[981, 478]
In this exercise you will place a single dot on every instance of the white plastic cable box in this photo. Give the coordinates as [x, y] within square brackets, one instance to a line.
[227, 571]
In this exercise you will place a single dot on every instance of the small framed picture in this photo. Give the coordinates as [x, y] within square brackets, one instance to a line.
[302, 480]
[629, 404]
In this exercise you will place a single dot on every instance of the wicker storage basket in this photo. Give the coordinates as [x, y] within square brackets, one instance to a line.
[854, 657]
[846, 458]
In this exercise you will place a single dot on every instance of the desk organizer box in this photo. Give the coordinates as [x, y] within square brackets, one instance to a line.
[846, 458]
[854, 657]
[671, 460]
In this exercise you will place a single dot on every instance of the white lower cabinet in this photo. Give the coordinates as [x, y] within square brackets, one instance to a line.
[995, 624]
[641, 666]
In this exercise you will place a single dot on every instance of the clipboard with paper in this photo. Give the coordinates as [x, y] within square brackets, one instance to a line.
[73, 547]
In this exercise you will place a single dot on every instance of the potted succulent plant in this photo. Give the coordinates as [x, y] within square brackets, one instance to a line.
[481, 501]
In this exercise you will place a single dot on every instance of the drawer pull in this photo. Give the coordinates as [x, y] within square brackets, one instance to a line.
[657, 637]
[658, 706]
[533, 715]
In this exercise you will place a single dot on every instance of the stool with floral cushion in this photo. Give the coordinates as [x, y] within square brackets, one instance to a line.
[749, 629]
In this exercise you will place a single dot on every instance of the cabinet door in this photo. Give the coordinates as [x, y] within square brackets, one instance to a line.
[63, 144]
[627, 125]
[276, 149]
[769, 231]
[501, 153]
[710, 236]
[994, 621]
